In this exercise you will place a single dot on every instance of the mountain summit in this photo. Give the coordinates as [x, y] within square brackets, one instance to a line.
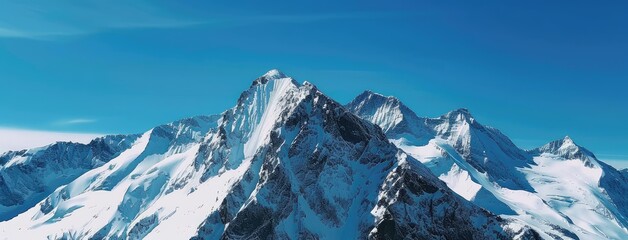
[566, 148]
[274, 74]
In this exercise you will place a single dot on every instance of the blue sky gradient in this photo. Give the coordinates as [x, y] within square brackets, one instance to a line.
[536, 70]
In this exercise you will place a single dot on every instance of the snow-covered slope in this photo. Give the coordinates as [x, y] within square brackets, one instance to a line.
[27, 176]
[485, 148]
[586, 192]
[285, 162]
[560, 189]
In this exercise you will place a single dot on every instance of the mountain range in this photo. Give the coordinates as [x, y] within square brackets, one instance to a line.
[289, 162]
[560, 189]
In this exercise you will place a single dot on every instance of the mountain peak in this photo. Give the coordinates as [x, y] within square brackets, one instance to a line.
[462, 111]
[566, 148]
[460, 114]
[565, 143]
[568, 140]
[368, 94]
[386, 111]
[370, 99]
[273, 74]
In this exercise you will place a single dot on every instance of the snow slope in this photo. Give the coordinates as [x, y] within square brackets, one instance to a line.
[27, 176]
[560, 189]
[285, 162]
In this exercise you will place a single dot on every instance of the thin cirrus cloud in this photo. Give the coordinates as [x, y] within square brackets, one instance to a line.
[75, 121]
[46, 20]
[51, 20]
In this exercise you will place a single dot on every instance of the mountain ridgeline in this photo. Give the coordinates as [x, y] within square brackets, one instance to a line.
[561, 190]
[289, 162]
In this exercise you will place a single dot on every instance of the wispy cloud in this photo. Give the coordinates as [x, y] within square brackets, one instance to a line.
[50, 20]
[11, 33]
[75, 121]
[289, 18]
[44, 20]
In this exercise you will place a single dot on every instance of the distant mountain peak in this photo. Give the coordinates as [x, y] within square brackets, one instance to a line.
[566, 148]
[371, 93]
[459, 114]
[386, 111]
[462, 111]
[565, 143]
[368, 94]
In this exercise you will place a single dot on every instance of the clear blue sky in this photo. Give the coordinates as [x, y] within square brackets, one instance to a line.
[537, 70]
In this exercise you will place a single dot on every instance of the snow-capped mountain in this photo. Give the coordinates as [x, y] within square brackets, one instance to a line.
[485, 148]
[286, 162]
[561, 189]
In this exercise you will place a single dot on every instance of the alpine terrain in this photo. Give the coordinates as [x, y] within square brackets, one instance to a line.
[561, 190]
[288, 162]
